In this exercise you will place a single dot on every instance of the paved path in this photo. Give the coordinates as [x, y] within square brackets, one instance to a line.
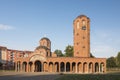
[28, 76]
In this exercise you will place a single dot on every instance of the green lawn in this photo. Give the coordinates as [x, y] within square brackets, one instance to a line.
[108, 76]
[7, 70]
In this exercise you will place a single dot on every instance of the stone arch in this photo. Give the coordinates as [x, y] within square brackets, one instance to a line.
[68, 67]
[24, 66]
[73, 67]
[50, 66]
[85, 67]
[56, 67]
[30, 66]
[45, 67]
[96, 67]
[90, 67]
[37, 57]
[62, 66]
[38, 66]
[102, 67]
[18, 66]
[79, 66]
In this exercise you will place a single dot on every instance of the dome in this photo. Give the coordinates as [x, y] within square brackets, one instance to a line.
[45, 42]
[45, 38]
[80, 16]
[42, 47]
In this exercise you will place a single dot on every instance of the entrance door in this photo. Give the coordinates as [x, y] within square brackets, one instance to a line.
[38, 66]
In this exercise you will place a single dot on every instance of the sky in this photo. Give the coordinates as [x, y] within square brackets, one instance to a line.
[24, 22]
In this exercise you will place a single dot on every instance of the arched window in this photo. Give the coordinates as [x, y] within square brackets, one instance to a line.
[78, 25]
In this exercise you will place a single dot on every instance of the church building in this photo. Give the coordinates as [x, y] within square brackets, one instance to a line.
[43, 60]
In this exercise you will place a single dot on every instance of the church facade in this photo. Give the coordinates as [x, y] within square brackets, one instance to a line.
[43, 60]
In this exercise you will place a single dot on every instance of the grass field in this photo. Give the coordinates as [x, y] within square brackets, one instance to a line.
[7, 70]
[107, 76]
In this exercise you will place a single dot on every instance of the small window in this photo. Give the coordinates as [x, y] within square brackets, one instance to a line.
[77, 43]
[78, 25]
[83, 37]
[77, 52]
[83, 22]
[83, 46]
[84, 28]
[77, 34]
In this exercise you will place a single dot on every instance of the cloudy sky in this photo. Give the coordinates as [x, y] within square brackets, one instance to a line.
[24, 22]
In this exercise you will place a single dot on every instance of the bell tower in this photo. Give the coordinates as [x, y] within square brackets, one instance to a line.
[81, 34]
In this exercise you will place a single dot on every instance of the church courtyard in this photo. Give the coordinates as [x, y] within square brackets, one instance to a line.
[28, 76]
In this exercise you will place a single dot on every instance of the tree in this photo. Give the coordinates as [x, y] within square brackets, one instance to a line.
[111, 62]
[69, 51]
[92, 55]
[118, 59]
[58, 53]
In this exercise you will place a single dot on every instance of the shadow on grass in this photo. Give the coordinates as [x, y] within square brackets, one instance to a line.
[109, 76]
[61, 76]
[29, 76]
